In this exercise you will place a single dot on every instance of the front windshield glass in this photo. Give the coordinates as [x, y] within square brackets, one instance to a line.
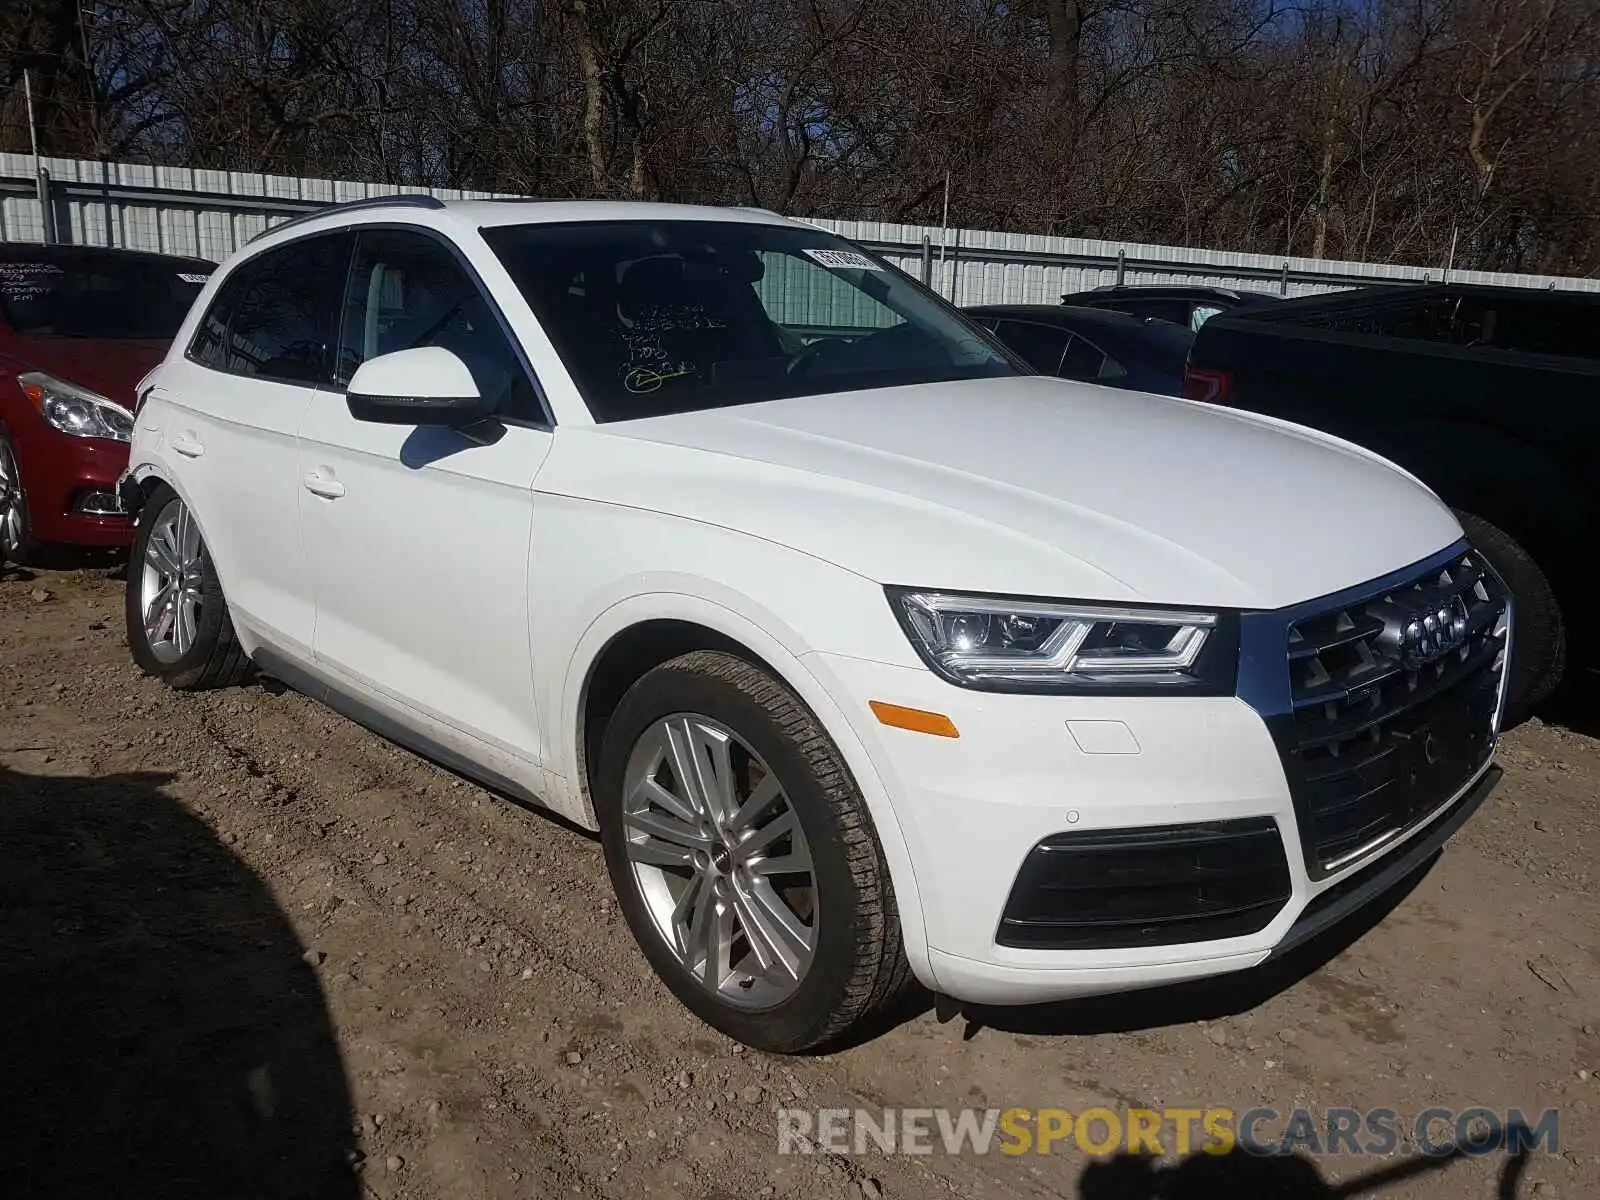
[653, 317]
[98, 296]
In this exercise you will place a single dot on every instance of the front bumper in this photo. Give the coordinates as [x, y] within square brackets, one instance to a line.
[1028, 767]
[71, 486]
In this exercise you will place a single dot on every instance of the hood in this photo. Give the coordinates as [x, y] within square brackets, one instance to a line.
[112, 367]
[1030, 486]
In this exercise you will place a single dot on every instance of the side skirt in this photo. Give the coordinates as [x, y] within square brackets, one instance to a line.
[269, 662]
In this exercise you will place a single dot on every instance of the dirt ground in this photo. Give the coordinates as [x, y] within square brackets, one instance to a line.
[249, 949]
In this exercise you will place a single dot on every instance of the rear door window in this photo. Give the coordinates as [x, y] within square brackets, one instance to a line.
[278, 322]
[1083, 360]
[1040, 345]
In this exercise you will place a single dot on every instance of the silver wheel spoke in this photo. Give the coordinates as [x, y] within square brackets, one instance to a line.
[680, 746]
[764, 914]
[717, 774]
[160, 555]
[782, 864]
[695, 896]
[776, 916]
[716, 944]
[663, 841]
[184, 628]
[761, 798]
[756, 933]
[187, 537]
[158, 602]
[159, 624]
[763, 837]
[652, 791]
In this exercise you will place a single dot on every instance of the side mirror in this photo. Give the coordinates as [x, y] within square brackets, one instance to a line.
[427, 385]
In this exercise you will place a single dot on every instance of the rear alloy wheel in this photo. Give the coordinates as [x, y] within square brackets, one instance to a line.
[744, 858]
[16, 537]
[176, 615]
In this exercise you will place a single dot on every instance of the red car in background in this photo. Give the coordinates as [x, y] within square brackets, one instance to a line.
[79, 327]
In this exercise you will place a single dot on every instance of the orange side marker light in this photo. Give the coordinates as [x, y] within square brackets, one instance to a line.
[915, 719]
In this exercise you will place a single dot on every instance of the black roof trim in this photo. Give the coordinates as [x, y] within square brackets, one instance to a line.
[404, 200]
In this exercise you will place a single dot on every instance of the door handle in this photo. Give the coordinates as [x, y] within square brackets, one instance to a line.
[187, 446]
[328, 489]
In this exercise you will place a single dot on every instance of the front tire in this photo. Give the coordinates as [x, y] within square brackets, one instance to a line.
[177, 618]
[17, 544]
[743, 856]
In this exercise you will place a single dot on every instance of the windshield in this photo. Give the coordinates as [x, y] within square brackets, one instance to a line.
[653, 317]
[99, 297]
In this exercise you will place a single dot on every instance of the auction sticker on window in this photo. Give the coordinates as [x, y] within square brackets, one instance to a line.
[844, 260]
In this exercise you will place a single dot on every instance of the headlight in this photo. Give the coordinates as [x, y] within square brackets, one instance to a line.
[999, 644]
[75, 410]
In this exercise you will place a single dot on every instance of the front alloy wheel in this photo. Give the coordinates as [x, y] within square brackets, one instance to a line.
[744, 858]
[15, 539]
[720, 860]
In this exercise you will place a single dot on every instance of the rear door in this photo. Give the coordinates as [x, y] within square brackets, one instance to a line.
[418, 538]
[234, 406]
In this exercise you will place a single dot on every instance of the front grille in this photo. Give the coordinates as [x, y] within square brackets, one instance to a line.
[1394, 699]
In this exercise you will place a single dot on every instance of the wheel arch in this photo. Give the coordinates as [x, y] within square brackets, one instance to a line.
[639, 633]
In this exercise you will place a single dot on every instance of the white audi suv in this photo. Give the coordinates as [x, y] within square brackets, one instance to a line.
[868, 654]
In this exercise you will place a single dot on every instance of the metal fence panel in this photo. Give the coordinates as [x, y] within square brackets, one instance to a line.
[210, 214]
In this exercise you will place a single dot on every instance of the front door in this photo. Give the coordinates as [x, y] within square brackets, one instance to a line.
[417, 537]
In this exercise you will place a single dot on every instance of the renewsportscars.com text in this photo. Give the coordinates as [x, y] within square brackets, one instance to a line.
[1377, 1132]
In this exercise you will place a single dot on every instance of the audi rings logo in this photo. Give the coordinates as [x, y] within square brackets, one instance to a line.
[1429, 635]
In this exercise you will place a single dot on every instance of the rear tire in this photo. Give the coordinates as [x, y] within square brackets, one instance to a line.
[177, 617]
[855, 966]
[1539, 632]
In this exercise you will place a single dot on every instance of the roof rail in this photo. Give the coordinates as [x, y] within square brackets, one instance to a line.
[404, 200]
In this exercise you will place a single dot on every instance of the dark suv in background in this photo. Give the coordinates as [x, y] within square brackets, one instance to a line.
[1491, 396]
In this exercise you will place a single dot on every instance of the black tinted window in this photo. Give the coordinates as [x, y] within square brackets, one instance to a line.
[1041, 345]
[408, 290]
[1084, 360]
[98, 296]
[211, 338]
[281, 325]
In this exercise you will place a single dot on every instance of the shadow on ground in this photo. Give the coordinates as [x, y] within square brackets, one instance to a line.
[1240, 1176]
[163, 1035]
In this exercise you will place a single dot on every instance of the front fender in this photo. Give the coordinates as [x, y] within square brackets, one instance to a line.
[698, 610]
